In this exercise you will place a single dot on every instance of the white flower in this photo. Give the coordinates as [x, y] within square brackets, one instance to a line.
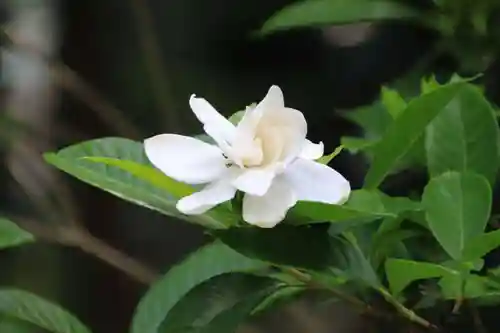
[266, 156]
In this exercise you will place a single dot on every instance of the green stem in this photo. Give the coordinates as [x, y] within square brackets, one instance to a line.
[409, 314]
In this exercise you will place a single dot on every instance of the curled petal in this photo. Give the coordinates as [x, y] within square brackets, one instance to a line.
[247, 127]
[268, 210]
[184, 158]
[273, 100]
[312, 151]
[312, 181]
[215, 124]
[204, 200]
[255, 181]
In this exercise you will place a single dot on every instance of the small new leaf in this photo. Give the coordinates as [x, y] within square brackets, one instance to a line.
[11, 235]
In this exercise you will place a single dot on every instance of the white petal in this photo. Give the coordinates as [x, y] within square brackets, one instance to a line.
[255, 181]
[215, 124]
[312, 181]
[245, 132]
[287, 124]
[268, 210]
[184, 158]
[312, 151]
[273, 100]
[212, 195]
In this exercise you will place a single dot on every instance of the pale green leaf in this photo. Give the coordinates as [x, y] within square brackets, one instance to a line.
[457, 209]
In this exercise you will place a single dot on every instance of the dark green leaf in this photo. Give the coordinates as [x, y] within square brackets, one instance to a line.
[316, 212]
[331, 12]
[463, 137]
[400, 273]
[457, 209]
[229, 320]
[11, 235]
[122, 183]
[350, 262]
[210, 261]
[211, 298]
[35, 310]
[305, 247]
[406, 130]
[12, 325]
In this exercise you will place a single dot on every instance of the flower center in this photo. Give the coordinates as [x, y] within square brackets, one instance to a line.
[253, 154]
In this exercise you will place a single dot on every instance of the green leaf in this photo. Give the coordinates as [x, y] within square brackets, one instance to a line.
[11, 235]
[210, 261]
[327, 158]
[148, 174]
[379, 202]
[401, 272]
[373, 119]
[229, 320]
[464, 287]
[406, 130]
[211, 298]
[304, 246]
[123, 181]
[355, 145]
[331, 12]
[350, 262]
[236, 117]
[457, 209]
[316, 212]
[394, 103]
[35, 310]
[11, 325]
[463, 137]
[481, 245]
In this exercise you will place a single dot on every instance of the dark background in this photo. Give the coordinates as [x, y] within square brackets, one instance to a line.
[147, 67]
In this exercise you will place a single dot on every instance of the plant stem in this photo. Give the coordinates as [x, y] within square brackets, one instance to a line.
[305, 278]
[115, 258]
[409, 314]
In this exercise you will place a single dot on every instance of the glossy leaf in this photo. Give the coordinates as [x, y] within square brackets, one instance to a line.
[35, 310]
[133, 181]
[463, 137]
[212, 260]
[316, 212]
[457, 209]
[305, 247]
[311, 13]
[211, 298]
[400, 273]
[229, 320]
[11, 235]
[406, 130]
[148, 174]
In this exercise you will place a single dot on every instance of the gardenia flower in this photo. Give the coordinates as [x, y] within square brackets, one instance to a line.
[266, 156]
